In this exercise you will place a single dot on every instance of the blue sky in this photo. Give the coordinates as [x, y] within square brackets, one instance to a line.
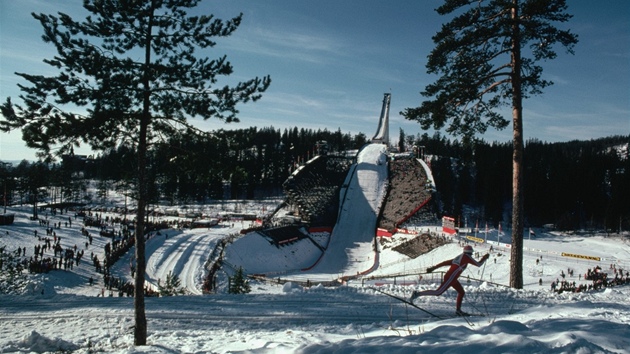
[331, 61]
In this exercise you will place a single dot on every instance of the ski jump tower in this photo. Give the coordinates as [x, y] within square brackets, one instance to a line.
[382, 133]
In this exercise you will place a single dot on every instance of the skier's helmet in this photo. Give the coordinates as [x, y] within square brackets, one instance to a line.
[468, 249]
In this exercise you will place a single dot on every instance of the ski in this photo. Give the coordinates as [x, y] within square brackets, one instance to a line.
[407, 302]
[471, 315]
[467, 317]
[470, 323]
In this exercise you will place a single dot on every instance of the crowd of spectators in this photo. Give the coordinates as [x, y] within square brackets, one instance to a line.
[42, 261]
[407, 191]
[49, 254]
[597, 278]
[423, 243]
[314, 189]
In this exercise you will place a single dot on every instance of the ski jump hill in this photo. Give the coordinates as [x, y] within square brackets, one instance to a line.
[352, 243]
[379, 192]
[336, 208]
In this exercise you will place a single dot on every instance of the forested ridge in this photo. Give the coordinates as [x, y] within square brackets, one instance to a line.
[573, 185]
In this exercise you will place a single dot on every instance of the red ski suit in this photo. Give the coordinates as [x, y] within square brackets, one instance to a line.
[458, 265]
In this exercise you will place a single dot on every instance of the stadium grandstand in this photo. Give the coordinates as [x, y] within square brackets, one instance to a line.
[283, 235]
[409, 190]
[313, 189]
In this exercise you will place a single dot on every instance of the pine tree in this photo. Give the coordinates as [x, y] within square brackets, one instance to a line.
[12, 277]
[172, 286]
[133, 66]
[487, 57]
[238, 283]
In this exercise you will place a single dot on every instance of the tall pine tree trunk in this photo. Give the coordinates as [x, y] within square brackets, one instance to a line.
[516, 264]
[36, 198]
[140, 330]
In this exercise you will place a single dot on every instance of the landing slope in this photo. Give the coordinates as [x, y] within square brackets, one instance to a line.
[351, 248]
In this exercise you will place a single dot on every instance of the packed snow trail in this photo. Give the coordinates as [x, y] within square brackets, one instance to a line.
[183, 253]
[316, 320]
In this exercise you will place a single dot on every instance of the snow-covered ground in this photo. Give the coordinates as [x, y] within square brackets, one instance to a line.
[61, 312]
[349, 318]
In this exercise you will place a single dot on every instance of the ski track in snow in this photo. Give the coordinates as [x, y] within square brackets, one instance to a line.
[313, 317]
[183, 254]
[300, 307]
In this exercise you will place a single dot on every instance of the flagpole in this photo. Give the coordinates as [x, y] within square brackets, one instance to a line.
[486, 236]
[476, 228]
[499, 235]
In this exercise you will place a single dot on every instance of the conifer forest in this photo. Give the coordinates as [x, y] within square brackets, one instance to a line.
[572, 185]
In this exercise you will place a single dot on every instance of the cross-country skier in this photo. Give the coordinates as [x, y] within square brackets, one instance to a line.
[457, 266]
